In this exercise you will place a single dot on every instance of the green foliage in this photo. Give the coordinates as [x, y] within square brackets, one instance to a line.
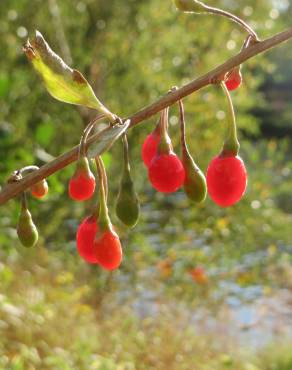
[57, 313]
[62, 82]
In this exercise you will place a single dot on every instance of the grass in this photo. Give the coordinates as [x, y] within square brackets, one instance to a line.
[53, 319]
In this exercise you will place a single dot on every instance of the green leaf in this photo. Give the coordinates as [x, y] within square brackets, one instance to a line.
[62, 82]
[107, 138]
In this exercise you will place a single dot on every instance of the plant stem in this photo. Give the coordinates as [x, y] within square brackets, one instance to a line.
[28, 169]
[233, 17]
[24, 205]
[86, 132]
[231, 144]
[126, 153]
[12, 189]
[182, 127]
[165, 146]
[103, 219]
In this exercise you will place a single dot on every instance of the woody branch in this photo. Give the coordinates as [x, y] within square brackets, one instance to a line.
[11, 190]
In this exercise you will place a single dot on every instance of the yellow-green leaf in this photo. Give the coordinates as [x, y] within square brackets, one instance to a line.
[62, 82]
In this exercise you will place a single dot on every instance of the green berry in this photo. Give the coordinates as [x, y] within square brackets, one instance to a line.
[195, 182]
[26, 229]
[127, 206]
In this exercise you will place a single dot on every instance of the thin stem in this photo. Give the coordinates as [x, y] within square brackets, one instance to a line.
[86, 132]
[126, 153]
[231, 144]
[27, 169]
[104, 177]
[24, 205]
[103, 219]
[14, 188]
[231, 16]
[182, 127]
[165, 145]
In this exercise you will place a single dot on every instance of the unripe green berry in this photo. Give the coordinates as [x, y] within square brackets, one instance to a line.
[127, 206]
[26, 229]
[195, 182]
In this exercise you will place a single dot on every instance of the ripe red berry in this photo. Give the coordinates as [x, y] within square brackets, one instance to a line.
[226, 180]
[234, 80]
[82, 183]
[85, 239]
[166, 172]
[40, 189]
[149, 148]
[108, 250]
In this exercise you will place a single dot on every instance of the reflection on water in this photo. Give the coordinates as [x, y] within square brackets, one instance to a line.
[239, 312]
[251, 324]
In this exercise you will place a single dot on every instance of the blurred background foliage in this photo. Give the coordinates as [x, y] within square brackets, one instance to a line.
[155, 312]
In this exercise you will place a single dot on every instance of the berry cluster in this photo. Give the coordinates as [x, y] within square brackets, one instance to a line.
[226, 178]
[96, 239]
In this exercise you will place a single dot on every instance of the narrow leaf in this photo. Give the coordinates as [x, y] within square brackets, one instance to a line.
[62, 82]
[107, 138]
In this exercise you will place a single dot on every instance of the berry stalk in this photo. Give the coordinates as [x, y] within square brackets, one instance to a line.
[231, 144]
[104, 219]
[165, 146]
[194, 183]
[196, 6]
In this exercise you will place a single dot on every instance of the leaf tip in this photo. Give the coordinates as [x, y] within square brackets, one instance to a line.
[28, 50]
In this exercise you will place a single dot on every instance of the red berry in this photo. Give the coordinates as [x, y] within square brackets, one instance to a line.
[108, 250]
[40, 189]
[234, 80]
[82, 183]
[85, 239]
[226, 180]
[149, 148]
[82, 187]
[166, 172]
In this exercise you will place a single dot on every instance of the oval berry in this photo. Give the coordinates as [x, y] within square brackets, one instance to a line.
[226, 180]
[234, 80]
[85, 239]
[108, 250]
[166, 172]
[26, 229]
[82, 187]
[149, 148]
[40, 189]
[127, 205]
[82, 183]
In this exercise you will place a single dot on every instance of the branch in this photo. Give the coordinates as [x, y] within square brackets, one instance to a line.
[11, 190]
